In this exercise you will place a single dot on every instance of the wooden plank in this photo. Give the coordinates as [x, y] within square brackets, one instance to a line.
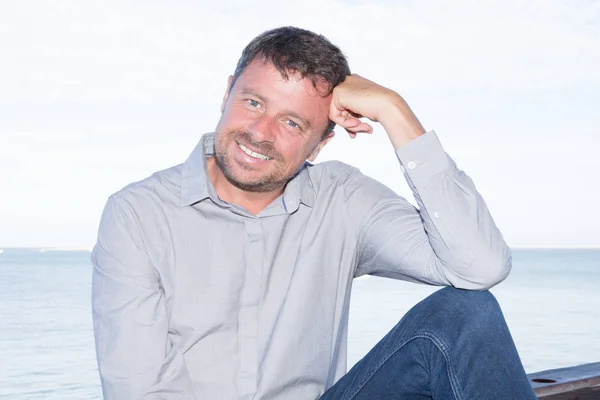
[579, 382]
[581, 394]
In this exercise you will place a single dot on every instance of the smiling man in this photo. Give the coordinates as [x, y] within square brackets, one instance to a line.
[229, 276]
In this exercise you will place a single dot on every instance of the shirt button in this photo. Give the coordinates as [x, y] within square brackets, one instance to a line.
[436, 215]
[411, 165]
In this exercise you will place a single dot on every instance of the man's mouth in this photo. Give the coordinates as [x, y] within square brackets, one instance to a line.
[253, 153]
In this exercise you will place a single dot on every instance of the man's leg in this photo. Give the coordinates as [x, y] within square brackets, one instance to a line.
[453, 345]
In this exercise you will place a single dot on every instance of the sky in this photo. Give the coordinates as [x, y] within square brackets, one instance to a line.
[95, 95]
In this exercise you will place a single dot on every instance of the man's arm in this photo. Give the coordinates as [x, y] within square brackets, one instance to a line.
[135, 358]
[452, 238]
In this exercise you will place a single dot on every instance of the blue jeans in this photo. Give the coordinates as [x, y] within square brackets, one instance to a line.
[453, 345]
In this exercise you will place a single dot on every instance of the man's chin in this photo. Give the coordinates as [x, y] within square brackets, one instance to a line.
[248, 178]
[250, 181]
[252, 185]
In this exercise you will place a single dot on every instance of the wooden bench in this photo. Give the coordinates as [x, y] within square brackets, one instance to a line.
[581, 382]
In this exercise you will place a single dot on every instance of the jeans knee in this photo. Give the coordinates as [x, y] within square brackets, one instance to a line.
[473, 300]
[458, 307]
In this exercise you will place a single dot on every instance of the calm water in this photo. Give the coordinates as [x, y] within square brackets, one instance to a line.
[551, 302]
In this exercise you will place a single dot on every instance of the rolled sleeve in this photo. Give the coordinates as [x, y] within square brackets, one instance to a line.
[135, 359]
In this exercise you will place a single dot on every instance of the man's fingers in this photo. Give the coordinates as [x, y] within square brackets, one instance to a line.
[348, 113]
[350, 122]
[347, 122]
[342, 118]
[361, 128]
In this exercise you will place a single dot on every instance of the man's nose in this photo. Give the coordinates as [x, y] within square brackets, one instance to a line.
[263, 129]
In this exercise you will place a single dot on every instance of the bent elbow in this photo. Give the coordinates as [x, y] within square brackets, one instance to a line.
[496, 273]
[484, 274]
[493, 271]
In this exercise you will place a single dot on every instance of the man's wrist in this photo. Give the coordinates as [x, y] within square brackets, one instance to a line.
[400, 123]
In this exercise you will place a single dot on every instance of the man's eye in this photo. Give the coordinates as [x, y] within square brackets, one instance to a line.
[253, 103]
[292, 124]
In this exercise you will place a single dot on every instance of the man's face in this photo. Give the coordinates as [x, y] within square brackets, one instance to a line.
[269, 127]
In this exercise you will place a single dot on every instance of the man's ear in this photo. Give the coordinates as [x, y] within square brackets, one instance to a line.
[320, 146]
[229, 80]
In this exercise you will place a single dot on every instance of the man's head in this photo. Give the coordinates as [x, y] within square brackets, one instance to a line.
[277, 105]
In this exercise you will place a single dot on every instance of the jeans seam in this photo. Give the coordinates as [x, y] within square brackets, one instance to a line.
[442, 347]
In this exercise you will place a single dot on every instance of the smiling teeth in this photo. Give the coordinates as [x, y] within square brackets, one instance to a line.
[252, 153]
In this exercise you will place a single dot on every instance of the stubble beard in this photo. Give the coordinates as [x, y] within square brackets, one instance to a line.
[270, 181]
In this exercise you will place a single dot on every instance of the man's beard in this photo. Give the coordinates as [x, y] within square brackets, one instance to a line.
[267, 183]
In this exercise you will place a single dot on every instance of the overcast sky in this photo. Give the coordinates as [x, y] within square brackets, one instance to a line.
[94, 95]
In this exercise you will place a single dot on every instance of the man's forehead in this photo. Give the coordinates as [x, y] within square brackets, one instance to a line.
[316, 85]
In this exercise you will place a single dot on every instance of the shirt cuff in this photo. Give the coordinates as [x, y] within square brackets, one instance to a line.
[423, 157]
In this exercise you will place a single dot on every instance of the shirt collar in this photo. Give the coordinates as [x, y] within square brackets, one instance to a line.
[196, 186]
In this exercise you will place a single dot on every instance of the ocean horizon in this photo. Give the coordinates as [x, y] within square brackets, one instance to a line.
[550, 302]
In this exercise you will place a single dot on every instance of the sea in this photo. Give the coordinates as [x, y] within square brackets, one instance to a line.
[551, 302]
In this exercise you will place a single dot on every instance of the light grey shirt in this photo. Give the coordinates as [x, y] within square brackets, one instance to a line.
[195, 298]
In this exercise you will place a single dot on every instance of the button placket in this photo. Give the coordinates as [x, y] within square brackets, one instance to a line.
[248, 315]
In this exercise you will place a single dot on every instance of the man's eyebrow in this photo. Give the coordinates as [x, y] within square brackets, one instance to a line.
[249, 92]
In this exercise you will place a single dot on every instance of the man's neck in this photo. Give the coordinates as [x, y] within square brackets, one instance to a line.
[254, 202]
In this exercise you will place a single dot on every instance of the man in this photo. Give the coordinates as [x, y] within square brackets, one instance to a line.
[229, 276]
